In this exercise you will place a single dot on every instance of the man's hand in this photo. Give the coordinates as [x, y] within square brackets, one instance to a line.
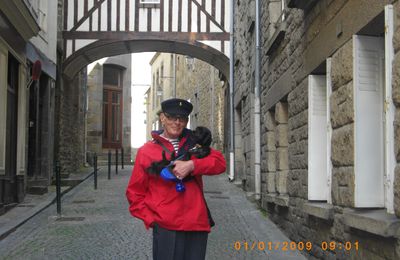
[183, 168]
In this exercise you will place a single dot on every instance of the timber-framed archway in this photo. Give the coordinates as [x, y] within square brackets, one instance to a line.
[94, 29]
[107, 48]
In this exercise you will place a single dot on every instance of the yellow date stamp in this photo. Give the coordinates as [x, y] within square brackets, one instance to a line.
[293, 245]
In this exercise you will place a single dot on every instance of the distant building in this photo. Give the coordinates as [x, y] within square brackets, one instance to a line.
[108, 114]
[191, 79]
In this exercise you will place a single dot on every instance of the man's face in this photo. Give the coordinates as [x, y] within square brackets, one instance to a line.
[173, 125]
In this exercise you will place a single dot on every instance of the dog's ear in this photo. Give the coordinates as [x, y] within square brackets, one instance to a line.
[203, 136]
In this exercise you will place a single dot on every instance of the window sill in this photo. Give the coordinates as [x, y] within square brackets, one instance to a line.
[277, 38]
[319, 209]
[375, 221]
[280, 200]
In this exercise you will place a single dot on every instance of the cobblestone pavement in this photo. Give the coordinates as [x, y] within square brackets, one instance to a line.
[96, 224]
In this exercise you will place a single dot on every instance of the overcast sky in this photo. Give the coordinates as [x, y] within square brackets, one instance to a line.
[141, 79]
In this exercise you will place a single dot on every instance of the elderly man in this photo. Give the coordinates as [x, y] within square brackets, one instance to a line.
[180, 220]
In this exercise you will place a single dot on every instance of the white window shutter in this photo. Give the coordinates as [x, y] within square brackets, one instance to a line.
[329, 130]
[317, 136]
[390, 159]
[368, 55]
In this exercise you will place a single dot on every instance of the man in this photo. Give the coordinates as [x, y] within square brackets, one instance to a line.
[179, 219]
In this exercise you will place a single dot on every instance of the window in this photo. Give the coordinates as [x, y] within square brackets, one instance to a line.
[149, 1]
[112, 106]
[317, 138]
[374, 160]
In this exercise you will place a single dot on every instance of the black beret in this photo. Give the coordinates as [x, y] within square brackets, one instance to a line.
[176, 106]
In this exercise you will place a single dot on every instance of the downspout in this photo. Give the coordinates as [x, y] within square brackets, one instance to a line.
[257, 148]
[231, 93]
[174, 74]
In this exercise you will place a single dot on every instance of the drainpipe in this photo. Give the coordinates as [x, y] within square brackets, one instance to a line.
[257, 148]
[231, 93]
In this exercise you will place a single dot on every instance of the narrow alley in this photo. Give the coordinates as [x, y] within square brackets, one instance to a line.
[96, 224]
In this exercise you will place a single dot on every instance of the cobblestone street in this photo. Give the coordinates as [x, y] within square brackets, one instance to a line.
[96, 224]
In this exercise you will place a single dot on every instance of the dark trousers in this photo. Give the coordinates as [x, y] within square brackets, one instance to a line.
[178, 245]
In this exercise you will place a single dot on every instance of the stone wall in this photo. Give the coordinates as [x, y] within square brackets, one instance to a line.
[244, 93]
[309, 38]
[70, 124]
[199, 82]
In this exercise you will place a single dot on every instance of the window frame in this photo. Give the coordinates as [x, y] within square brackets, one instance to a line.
[107, 141]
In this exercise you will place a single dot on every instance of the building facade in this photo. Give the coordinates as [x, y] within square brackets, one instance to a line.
[28, 36]
[329, 132]
[108, 108]
[188, 78]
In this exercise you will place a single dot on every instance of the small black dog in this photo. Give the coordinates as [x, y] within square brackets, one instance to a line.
[201, 138]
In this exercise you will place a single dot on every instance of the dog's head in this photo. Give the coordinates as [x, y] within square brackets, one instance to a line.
[202, 136]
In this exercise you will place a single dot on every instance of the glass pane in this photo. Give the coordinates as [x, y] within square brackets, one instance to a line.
[111, 76]
[113, 126]
[105, 122]
[118, 123]
[105, 96]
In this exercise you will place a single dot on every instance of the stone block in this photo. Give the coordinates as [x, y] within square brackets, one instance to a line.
[396, 35]
[271, 141]
[342, 106]
[343, 146]
[294, 188]
[282, 135]
[281, 113]
[298, 161]
[298, 99]
[271, 182]
[300, 147]
[342, 65]
[396, 189]
[269, 121]
[271, 161]
[281, 180]
[396, 79]
[282, 158]
[343, 175]
[298, 134]
[298, 120]
[342, 195]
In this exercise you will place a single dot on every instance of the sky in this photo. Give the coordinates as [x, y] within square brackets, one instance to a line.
[141, 80]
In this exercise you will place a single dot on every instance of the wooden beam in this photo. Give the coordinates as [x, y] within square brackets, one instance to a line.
[170, 36]
[170, 16]
[127, 9]
[89, 13]
[109, 15]
[136, 15]
[179, 15]
[202, 8]
[149, 19]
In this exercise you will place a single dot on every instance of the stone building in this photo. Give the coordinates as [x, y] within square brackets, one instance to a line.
[163, 86]
[108, 115]
[329, 95]
[191, 79]
[28, 36]
[202, 84]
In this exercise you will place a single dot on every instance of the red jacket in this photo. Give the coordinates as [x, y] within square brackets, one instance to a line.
[153, 199]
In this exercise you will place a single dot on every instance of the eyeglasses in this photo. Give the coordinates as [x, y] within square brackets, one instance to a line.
[181, 119]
